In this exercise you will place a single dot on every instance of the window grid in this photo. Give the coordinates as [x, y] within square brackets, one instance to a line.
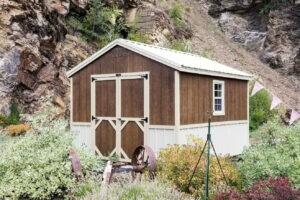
[218, 97]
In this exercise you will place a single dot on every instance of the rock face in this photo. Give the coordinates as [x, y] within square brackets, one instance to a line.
[271, 31]
[35, 51]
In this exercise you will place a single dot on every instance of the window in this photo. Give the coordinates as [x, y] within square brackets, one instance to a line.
[218, 98]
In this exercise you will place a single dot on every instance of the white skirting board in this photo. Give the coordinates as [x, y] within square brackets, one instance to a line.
[228, 138]
[83, 136]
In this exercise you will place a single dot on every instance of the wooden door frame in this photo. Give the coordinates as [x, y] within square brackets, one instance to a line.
[118, 77]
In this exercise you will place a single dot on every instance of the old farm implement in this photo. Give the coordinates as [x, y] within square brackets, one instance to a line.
[143, 160]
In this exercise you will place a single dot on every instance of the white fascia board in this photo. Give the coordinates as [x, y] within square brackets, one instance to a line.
[159, 59]
[214, 73]
[92, 58]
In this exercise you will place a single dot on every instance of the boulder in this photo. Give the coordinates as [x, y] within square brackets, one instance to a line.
[47, 74]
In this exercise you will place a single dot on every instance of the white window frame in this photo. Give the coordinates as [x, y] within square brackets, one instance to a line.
[221, 112]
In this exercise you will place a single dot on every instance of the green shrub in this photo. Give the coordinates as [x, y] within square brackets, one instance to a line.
[181, 45]
[176, 12]
[276, 155]
[176, 15]
[101, 24]
[266, 8]
[260, 111]
[13, 118]
[139, 190]
[176, 164]
[37, 165]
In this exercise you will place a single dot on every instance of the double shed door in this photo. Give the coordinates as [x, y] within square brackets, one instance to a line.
[120, 113]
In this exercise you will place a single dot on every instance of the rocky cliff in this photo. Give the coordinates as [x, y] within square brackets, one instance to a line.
[270, 29]
[37, 47]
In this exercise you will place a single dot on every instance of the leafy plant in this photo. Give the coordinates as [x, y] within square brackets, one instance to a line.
[269, 5]
[37, 165]
[13, 118]
[176, 12]
[139, 190]
[176, 15]
[176, 164]
[181, 45]
[136, 35]
[101, 23]
[276, 155]
[260, 111]
[271, 189]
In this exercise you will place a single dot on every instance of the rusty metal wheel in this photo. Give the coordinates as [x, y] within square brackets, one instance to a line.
[143, 159]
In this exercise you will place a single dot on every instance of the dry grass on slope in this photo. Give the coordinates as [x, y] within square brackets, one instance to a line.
[209, 39]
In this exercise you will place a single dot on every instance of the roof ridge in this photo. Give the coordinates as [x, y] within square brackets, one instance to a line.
[176, 51]
[159, 47]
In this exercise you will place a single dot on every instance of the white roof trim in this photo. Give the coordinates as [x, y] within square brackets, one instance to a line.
[134, 46]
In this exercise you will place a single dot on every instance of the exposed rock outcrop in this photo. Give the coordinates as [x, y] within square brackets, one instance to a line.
[271, 31]
[35, 51]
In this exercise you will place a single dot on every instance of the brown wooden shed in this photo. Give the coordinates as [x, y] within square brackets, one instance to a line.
[130, 94]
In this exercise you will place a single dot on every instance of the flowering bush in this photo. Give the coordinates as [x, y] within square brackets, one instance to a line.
[138, 190]
[271, 189]
[37, 165]
[276, 155]
[176, 164]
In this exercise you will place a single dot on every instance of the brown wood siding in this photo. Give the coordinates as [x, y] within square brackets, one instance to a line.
[132, 137]
[196, 99]
[106, 98]
[132, 98]
[105, 138]
[120, 60]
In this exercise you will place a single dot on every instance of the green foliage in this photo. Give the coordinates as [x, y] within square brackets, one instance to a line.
[176, 164]
[260, 111]
[13, 118]
[266, 8]
[37, 165]
[276, 155]
[139, 190]
[269, 5]
[181, 45]
[102, 24]
[176, 12]
[176, 15]
[85, 187]
[207, 54]
[136, 35]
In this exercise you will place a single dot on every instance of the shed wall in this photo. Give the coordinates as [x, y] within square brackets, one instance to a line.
[121, 60]
[196, 99]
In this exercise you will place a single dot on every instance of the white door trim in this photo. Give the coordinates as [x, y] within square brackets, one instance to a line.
[118, 77]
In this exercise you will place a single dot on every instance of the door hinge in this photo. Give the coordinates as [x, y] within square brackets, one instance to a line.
[118, 75]
[94, 118]
[145, 119]
[93, 79]
[145, 76]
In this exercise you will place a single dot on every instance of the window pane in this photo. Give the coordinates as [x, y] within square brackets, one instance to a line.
[217, 86]
[218, 93]
[218, 101]
[218, 108]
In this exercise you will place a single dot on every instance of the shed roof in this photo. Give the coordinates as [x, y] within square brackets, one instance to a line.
[178, 60]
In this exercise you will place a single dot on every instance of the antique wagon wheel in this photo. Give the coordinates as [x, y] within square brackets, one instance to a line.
[143, 158]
